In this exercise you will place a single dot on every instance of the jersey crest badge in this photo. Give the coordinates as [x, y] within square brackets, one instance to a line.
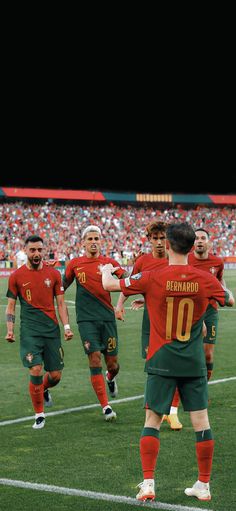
[213, 270]
[48, 282]
[87, 345]
[29, 357]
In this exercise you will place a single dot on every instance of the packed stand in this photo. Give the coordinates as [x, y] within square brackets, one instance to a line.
[123, 227]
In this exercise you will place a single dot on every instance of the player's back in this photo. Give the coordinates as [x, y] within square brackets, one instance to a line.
[179, 296]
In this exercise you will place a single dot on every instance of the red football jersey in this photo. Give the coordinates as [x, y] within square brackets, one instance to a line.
[92, 301]
[148, 262]
[176, 299]
[36, 290]
[213, 264]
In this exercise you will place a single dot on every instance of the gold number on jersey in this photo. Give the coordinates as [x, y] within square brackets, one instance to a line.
[81, 277]
[184, 302]
[111, 344]
[28, 295]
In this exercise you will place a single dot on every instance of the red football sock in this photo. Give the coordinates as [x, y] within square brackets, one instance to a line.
[149, 449]
[176, 399]
[36, 394]
[204, 451]
[99, 386]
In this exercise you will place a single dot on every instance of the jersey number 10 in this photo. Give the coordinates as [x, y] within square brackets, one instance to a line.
[182, 334]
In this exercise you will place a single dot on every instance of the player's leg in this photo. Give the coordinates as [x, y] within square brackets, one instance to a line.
[111, 372]
[53, 364]
[31, 349]
[194, 396]
[211, 321]
[91, 333]
[110, 339]
[157, 401]
[172, 418]
[36, 394]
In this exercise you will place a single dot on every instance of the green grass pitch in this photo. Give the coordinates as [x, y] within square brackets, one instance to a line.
[80, 450]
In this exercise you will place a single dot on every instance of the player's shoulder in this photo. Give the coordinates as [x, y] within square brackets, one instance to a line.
[191, 256]
[142, 261]
[216, 259]
[20, 271]
[108, 260]
[75, 261]
[51, 270]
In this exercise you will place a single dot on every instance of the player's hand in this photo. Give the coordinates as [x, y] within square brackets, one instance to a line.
[136, 256]
[10, 337]
[120, 314]
[51, 262]
[109, 266]
[68, 334]
[137, 304]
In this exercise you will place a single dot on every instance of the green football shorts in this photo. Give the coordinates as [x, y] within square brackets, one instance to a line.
[46, 351]
[99, 336]
[159, 393]
[211, 318]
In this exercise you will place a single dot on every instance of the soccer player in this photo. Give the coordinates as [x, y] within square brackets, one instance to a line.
[202, 258]
[156, 259]
[95, 315]
[176, 298]
[36, 285]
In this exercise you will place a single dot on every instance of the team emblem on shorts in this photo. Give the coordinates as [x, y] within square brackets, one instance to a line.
[87, 345]
[29, 357]
[47, 282]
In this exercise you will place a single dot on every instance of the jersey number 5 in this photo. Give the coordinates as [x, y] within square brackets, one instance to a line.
[182, 334]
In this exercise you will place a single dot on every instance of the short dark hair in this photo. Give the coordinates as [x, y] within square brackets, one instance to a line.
[181, 237]
[204, 230]
[33, 239]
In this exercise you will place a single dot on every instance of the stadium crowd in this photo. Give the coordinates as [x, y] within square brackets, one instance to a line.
[123, 227]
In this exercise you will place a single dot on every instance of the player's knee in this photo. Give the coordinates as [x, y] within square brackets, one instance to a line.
[95, 359]
[55, 377]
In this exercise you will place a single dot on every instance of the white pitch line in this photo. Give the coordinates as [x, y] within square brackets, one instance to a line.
[96, 405]
[213, 382]
[97, 495]
[224, 309]
[68, 410]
